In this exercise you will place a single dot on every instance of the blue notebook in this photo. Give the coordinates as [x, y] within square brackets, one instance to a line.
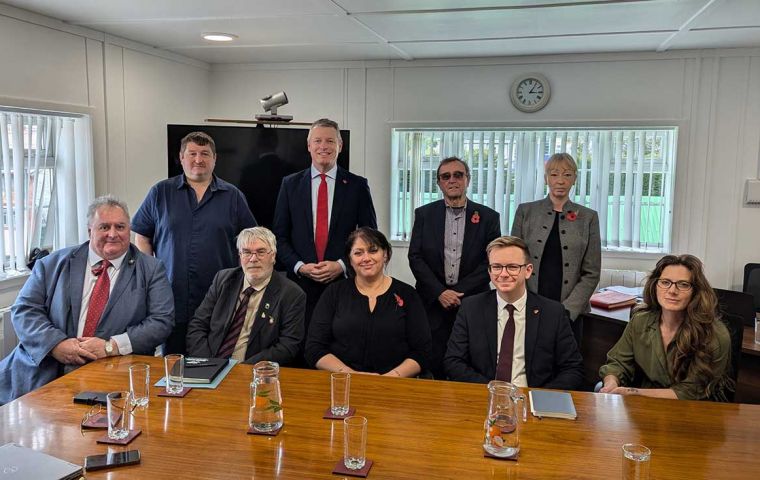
[544, 403]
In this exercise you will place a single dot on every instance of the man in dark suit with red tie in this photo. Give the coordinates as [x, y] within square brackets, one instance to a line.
[512, 334]
[317, 208]
[447, 252]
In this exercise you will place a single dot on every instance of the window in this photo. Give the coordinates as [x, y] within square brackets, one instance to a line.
[625, 174]
[46, 182]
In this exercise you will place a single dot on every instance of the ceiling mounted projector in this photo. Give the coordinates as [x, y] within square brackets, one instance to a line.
[270, 104]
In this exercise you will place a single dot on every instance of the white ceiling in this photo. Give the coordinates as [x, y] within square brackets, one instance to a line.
[328, 30]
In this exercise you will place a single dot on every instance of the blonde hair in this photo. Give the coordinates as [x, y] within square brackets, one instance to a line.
[560, 160]
[508, 241]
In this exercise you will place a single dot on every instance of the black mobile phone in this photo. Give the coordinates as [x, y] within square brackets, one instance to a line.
[91, 398]
[110, 460]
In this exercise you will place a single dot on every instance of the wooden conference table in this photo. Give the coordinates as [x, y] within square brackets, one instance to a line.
[416, 429]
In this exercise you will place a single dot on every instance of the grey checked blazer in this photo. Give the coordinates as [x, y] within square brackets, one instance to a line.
[581, 248]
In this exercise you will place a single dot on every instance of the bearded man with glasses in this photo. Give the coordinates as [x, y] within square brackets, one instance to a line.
[447, 252]
[512, 334]
[251, 312]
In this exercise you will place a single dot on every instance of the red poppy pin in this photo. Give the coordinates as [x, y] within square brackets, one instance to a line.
[571, 216]
[399, 300]
[475, 217]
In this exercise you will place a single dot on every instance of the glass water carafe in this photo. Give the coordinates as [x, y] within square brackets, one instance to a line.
[502, 432]
[265, 414]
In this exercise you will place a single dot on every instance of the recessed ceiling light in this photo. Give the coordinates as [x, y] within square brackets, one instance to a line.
[219, 37]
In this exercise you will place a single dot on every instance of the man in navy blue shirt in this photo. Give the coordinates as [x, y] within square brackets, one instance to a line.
[190, 222]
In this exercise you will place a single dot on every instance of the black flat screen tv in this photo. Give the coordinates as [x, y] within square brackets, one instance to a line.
[254, 159]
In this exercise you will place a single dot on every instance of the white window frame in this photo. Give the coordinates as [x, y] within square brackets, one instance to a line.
[486, 186]
[53, 149]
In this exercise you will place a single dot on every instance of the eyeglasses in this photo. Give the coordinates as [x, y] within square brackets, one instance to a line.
[512, 269]
[681, 285]
[447, 176]
[246, 255]
[94, 419]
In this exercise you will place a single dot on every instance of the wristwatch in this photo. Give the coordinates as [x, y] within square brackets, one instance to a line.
[109, 347]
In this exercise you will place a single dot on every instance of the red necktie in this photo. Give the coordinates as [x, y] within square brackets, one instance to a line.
[230, 340]
[98, 298]
[320, 234]
[506, 352]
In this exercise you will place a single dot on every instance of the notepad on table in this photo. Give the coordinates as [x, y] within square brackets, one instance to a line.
[544, 403]
[17, 462]
[203, 370]
[213, 384]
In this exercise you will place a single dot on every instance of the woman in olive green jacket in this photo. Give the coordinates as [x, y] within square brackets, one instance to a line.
[675, 346]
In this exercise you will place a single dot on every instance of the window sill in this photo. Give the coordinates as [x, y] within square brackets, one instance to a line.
[13, 280]
[622, 255]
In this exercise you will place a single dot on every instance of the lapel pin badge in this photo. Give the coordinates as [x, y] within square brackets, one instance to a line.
[263, 315]
[345, 181]
[475, 217]
[571, 216]
[535, 311]
[266, 305]
[271, 320]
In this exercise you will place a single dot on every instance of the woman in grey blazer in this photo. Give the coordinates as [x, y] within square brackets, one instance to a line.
[564, 242]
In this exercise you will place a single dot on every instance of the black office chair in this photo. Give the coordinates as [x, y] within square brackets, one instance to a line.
[752, 284]
[736, 309]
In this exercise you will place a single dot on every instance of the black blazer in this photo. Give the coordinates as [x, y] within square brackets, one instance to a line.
[552, 359]
[293, 222]
[427, 244]
[276, 334]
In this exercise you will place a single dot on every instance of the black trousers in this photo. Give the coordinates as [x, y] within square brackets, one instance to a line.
[441, 321]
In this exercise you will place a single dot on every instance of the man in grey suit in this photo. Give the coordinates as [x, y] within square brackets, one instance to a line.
[250, 312]
[82, 303]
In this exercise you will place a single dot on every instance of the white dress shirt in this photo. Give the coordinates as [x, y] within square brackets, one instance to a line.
[519, 376]
[122, 340]
[316, 180]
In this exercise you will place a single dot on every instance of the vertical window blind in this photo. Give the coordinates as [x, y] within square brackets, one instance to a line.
[626, 175]
[47, 182]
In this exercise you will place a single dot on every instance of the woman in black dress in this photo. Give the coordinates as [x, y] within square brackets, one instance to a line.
[371, 323]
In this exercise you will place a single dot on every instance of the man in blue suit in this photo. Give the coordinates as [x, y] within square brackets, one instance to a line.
[317, 208]
[82, 303]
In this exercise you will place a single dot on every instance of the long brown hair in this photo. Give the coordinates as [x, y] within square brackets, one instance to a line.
[698, 329]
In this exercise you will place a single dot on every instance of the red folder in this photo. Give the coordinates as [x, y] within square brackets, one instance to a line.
[611, 300]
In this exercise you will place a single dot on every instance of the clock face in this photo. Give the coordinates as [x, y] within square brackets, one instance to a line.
[530, 93]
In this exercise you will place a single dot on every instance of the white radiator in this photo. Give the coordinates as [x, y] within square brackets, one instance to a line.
[8, 338]
[625, 278]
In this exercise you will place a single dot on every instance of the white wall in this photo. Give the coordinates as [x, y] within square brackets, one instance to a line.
[130, 91]
[713, 96]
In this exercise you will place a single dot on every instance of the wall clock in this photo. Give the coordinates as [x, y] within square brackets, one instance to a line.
[530, 92]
